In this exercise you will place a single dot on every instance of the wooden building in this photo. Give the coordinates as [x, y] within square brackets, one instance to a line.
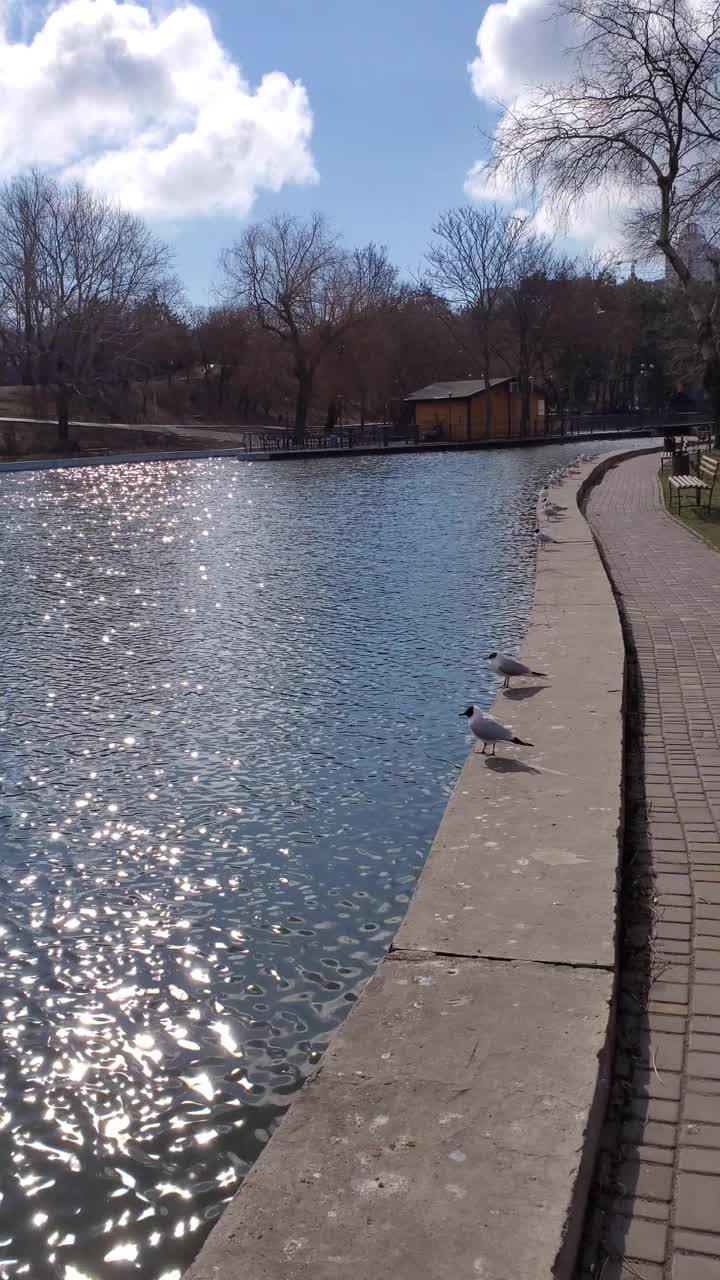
[457, 410]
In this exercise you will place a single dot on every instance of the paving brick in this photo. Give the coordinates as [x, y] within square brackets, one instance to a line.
[649, 1109]
[648, 1153]
[705, 1065]
[697, 1206]
[672, 884]
[707, 977]
[700, 1160]
[671, 972]
[648, 1083]
[710, 1026]
[617, 1269]
[637, 1238]
[664, 992]
[664, 580]
[667, 947]
[706, 1000]
[706, 1085]
[686, 1266]
[656, 1210]
[681, 932]
[707, 910]
[698, 1242]
[671, 1023]
[651, 1133]
[696, 1134]
[666, 1051]
[651, 1180]
[667, 1007]
[704, 1043]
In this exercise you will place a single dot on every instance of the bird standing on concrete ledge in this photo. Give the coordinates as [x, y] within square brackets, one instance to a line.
[544, 540]
[489, 730]
[502, 665]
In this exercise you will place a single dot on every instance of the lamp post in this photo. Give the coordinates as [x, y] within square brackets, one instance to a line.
[450, 415]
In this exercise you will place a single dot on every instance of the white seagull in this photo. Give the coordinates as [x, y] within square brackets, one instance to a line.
[544, 540]
[487, 729]
[505, 666]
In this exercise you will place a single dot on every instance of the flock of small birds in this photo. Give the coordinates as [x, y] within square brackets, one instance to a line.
[482, 725]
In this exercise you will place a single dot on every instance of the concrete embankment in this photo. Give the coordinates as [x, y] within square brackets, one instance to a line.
[451, 1128]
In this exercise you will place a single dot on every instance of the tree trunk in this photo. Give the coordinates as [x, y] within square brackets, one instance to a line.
[363, 406]
[302, 405]
[525, 404]
[488, 393]
[62, 409]
[711, 383]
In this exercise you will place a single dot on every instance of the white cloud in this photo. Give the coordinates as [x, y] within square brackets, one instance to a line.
[523, 43]
[520, 44]
[146, 104]
[596, 221]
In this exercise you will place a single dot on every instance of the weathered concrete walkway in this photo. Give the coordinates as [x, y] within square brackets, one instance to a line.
[663, 1195]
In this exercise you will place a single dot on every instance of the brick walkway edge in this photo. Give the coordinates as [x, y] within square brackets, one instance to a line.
[658, 1186]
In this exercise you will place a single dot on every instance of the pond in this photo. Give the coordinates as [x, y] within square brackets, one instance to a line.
[228, 729]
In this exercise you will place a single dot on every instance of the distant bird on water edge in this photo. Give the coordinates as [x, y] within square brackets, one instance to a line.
[544, 540]
[489, 730]
[505, 666]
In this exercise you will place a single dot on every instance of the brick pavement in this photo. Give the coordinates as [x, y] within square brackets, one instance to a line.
[660, 1180]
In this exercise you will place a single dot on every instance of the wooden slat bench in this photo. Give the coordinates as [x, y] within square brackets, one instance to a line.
[703, 482]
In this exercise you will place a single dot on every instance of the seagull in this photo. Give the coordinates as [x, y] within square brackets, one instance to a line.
[552, 508]
[544, 540]
[487, 729]
[508, 667]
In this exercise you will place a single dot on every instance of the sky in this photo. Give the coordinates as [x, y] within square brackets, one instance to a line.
[201, 116]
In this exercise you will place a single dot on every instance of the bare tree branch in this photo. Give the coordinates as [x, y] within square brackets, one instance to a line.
[306, 289]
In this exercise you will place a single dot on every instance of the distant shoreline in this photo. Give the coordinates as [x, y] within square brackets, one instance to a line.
[44, 462]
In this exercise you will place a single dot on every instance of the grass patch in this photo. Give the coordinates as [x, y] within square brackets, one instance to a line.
[702, 520]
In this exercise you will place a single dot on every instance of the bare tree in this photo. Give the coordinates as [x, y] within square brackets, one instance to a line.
[470, 263]
[75, 273]
[640, 118]
[306, 289]
[523, 333]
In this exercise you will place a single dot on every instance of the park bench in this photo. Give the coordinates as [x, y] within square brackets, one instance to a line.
[703, 482]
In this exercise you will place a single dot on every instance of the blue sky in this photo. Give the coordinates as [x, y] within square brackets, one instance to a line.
[200, 114]
[395, 120]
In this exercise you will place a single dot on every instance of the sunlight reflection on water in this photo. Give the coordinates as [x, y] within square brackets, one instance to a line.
[228, 730]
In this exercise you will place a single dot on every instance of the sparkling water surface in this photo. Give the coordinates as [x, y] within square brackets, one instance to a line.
[228, 729]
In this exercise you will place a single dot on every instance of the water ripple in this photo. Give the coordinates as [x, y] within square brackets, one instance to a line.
[228, 730]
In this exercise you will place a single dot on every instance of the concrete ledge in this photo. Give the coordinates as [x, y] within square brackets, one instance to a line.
[421, 1148]
[452, 1127]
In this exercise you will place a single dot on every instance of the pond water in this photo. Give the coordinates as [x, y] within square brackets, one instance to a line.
[228, 728]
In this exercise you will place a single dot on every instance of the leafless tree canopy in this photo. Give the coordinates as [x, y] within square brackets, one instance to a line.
[640, 118]
[75, 275]
[475, 255]
[304, 287]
